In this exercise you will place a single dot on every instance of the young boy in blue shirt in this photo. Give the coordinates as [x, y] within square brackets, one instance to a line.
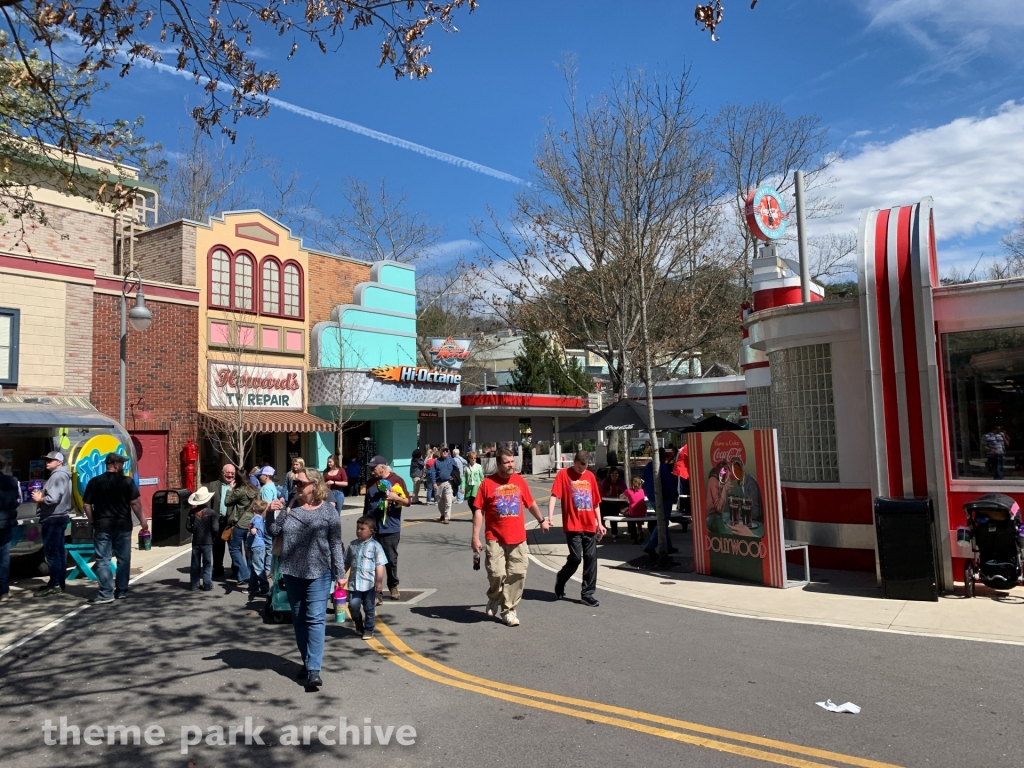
[364, 562]
[256, 549]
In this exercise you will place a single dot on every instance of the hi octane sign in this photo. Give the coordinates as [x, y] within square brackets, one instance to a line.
[255, 386]
[413, 374]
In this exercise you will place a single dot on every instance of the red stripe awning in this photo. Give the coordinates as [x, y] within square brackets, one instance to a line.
[268, 421]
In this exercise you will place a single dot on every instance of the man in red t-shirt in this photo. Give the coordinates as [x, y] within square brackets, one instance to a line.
[499, 508]
[576, 489]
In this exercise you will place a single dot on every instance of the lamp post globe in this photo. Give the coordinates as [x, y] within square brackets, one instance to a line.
[140, 317]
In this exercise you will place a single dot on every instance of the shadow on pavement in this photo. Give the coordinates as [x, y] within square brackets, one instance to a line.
[457, 614]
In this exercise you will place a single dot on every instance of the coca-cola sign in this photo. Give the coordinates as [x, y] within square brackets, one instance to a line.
[255, 387]
[727, 446]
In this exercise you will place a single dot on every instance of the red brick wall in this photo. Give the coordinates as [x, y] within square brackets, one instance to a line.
[163, 367]
[332, 281]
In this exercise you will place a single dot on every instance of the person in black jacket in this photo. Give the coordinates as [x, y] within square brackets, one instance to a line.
[230, 478]
[204, 525]
[417, 467]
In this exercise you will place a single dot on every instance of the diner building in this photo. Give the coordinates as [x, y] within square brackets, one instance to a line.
[911, 389]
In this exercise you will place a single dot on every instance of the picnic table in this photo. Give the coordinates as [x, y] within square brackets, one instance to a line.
[613, 507]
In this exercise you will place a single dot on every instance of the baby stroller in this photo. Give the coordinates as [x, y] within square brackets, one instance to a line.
[994, 524]
[277, 609]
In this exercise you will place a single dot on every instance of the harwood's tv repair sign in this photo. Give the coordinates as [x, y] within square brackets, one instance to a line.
[255, 386]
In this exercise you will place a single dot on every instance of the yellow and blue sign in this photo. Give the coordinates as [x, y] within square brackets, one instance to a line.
[88, 461]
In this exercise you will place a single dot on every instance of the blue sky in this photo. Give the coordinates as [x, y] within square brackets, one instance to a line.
[923, 97]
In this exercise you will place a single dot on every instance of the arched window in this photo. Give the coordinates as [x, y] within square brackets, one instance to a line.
[243, 282]
[270, 292]
[292, 290]
[220, 279]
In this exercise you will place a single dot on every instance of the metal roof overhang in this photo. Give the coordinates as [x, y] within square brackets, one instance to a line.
[47, 415]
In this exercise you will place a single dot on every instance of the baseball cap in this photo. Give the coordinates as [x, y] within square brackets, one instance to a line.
[267, 470]
[376, 461]
[55, 456]
[115, 458]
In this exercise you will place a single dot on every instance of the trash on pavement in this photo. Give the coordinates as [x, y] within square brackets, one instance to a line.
[831, 706]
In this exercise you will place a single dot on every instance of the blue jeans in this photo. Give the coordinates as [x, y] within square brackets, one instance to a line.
[367, 601]
[235, 546]
[259, 561]
[202, 565]
[338, 497]
[117, 544]
[652, 542]
[308, 598]
[5, 559]
[54, 529]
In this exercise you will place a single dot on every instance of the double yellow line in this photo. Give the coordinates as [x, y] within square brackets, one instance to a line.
[747, 745]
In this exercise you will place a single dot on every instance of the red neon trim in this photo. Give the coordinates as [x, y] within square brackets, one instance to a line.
[887, 358]
[509, 399]
[908, 321]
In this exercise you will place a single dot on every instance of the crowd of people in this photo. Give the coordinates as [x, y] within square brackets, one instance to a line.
[295, 527]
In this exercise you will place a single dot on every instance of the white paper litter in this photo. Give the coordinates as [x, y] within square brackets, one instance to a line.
[831, 706]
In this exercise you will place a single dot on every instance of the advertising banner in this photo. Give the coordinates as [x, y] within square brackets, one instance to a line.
[736, 499]
[256, 387]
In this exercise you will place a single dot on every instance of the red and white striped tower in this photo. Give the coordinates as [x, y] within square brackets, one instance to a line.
[771, 288]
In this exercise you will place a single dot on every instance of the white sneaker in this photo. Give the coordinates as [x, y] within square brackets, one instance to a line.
[493, 608]
[509, 619]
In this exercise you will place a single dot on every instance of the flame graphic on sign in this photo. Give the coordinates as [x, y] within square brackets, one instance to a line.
[388, 372]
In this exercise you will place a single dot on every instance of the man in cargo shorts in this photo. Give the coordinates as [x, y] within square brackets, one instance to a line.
[499, 510]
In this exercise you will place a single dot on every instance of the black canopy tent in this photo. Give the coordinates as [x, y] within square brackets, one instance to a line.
[627, 415]
[714, 424]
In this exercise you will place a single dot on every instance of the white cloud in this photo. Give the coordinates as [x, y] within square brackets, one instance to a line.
[973, 167]
[952, 32]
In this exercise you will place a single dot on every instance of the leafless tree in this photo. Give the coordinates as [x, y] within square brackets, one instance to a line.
[225, 425]
[1012, 265]
[759, 144]
[207, 176]
[376, 225]
[832, 255]
[51, 56]
[613, 246]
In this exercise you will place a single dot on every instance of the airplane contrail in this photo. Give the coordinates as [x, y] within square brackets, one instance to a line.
[362, 130]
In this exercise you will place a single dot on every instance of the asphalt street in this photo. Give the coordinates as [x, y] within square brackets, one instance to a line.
[629, 683]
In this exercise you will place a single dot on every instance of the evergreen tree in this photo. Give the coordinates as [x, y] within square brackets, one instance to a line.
[539, 364]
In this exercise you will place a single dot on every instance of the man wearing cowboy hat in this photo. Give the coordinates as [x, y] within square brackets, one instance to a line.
[204, 524]
[109, 500]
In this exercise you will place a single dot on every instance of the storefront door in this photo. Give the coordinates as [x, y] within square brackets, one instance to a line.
[151, 453]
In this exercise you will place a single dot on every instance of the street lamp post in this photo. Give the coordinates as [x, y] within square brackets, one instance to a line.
[139, 317]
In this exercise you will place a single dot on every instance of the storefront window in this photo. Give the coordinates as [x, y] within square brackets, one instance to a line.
[220, 279]
[9, 331]
[292, 292]
[243, 282]
[271, 292]
[803, 412]
[984, 373]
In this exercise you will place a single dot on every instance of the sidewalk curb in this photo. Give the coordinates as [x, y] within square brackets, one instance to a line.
[782, 619]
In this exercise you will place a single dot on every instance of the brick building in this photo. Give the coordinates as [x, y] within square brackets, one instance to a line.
[60, 296]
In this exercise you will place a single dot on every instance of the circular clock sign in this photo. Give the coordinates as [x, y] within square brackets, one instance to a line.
[766, 213]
